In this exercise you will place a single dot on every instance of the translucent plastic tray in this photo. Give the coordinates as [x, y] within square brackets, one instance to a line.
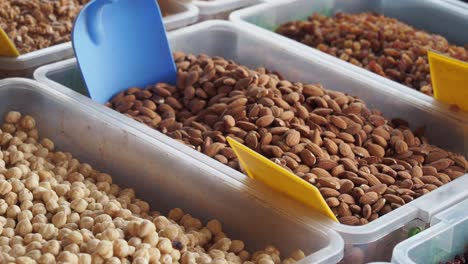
[458, 3]
[163, 176]
[433, 16]
[220, 9]
[182, 14]
[231, 41]
[447, 237]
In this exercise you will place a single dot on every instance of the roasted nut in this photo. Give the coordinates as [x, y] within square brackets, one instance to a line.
[327, 138]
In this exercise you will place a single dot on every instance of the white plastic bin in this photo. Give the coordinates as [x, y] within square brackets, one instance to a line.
[220, 9]
[163, 176]
[433, 16]
[371, 242]
[447, 237]
[182, 14]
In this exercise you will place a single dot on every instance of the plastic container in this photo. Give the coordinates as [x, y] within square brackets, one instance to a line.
[164, 176]
[182, 14]
[220, 9]
[447, 237]
[231, 41]
[433, 16]
[458, 3]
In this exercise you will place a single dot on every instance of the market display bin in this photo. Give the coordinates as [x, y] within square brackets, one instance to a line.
[446, 238]
[162, 175]
[432, 16]
[220, 9]
[371, 242]
[182, 14]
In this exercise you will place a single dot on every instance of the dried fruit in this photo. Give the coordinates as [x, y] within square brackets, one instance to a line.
[377, 43]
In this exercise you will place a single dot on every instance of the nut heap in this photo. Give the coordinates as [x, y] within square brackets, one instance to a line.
[38, 24]
[380, 44]
[54, 209]
[364, 165]
[34, 24]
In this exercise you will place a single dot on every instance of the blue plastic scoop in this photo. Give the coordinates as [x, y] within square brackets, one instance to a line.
[120, 44]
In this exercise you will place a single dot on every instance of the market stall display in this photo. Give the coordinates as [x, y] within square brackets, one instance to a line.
[390, 38]
[60, 202]
[41, 30]
[370, 242]
[363, 164]
[377, 43]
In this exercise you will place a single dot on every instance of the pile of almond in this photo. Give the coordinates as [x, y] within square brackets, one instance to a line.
[363, 164]
[380, 44]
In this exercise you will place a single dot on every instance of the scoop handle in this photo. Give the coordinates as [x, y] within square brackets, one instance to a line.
[94, 23]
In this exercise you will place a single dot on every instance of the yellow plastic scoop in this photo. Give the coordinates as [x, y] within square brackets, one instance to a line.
[449, 79]
[7, 47]
[279, 179]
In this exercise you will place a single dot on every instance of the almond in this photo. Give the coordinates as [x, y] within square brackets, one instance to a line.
[329, 182]
[371, 179]
[375, 150]
[366, 211]
[330, 145]
[379, 189]
[329, 192]
[346, 150]
[307, 157]
[391, 198]
[338, 122]
[332, 202]
[378, 205]
[369, 198]
[326, 164]
[401, 146]
[293, 137]
[361, 152]
[384, 178]
[312, 90]
[346, 186]
[265, 121]
[320, 172]
[349, 220]
[346, 198]
[343, 210]
[213, 149]
[442, 164]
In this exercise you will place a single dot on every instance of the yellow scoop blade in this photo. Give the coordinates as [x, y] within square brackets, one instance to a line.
[279, 179]
[449, 79]
[7, 48]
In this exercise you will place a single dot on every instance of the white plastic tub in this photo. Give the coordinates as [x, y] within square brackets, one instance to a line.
[434, 16]
[182, 14]
[229, 40]
[447, 237]
[163, 176]
[220, 9]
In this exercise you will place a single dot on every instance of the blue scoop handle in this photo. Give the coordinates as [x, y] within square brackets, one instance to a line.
[120, 44]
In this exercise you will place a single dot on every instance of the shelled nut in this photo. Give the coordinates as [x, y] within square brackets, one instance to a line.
[328, 138]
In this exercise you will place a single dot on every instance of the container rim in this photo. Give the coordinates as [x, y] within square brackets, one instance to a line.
[218, 6]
